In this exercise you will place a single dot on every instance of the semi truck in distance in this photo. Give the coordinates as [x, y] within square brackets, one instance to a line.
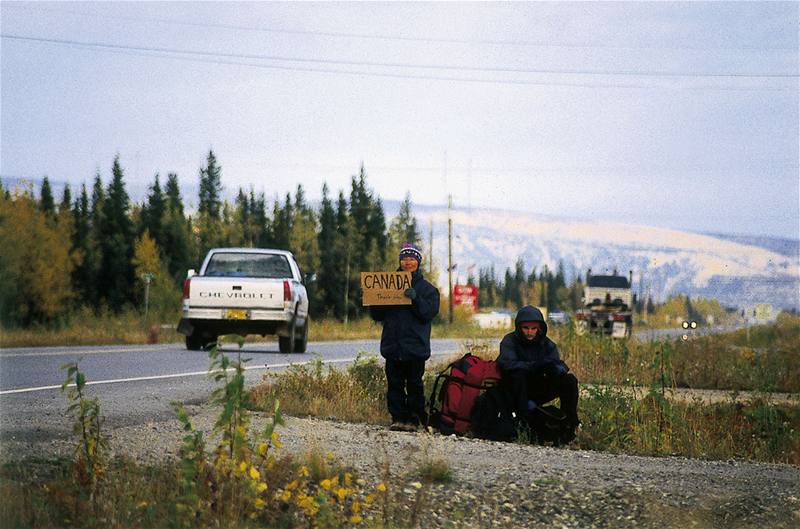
[607, 305]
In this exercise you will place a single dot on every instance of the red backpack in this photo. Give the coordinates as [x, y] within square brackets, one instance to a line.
[467, 378]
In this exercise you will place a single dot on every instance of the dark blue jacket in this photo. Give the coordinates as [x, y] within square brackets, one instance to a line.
[537, 356]
[407, 328]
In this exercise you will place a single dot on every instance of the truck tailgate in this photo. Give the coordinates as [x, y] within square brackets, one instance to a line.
[245, 292]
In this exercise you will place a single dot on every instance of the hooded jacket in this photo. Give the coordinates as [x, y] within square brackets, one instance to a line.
[407, 328]
[533, 356]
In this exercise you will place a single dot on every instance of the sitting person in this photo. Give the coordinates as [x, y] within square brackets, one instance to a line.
[532, 370]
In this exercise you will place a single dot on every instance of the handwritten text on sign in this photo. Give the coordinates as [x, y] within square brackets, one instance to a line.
[385, 288]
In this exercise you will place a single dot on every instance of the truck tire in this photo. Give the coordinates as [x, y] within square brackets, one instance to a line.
[301, 343]
[193, 342]
[286, 343]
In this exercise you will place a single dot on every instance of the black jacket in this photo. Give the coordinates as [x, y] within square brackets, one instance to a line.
[407, 328]
[517, 353]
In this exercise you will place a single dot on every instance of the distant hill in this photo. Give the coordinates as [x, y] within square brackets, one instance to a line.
[735, 270]
[787, 247]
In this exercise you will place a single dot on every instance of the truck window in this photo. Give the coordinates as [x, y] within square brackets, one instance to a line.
[272, 266]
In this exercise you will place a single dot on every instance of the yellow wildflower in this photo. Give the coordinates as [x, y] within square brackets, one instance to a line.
[325, 484]
[355, 519]
[270, 462]
[141, 505]
[276, 440]
[381, 487]
[329, 456]
[292, 485]
[348, 479]
[254, 473]
[261, 487]
[259, 503]
[286, 495]
[241, 430]
[417, 485]
[355, 507]
[369, 499]
[242, 467]
[341, 493]
[262, 449]
[303, 471]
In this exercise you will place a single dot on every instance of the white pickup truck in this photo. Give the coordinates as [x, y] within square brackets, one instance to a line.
[246, 291]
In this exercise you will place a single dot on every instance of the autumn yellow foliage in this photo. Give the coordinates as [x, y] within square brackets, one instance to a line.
[36, 261]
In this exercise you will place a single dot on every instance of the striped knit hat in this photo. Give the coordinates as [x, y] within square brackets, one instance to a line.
[409, 250]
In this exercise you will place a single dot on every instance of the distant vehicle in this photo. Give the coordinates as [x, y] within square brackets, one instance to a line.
[558, 317]
[608, 303]
[246, 291]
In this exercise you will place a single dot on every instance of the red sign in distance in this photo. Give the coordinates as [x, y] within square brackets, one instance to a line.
[466, 296]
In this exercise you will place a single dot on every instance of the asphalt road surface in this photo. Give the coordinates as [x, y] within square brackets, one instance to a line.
[136, 383]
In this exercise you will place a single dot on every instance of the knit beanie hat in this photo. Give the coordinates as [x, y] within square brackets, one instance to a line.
[409, 250]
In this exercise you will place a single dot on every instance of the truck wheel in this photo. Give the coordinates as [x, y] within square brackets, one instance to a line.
[193, 343]
[301, 343]
[286, 343]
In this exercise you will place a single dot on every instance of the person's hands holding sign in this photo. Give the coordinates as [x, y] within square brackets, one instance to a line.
[410, 293]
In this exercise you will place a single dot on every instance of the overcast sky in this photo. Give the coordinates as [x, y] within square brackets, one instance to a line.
[681, 115]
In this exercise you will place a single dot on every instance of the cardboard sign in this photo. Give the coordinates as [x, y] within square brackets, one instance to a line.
[385, 288]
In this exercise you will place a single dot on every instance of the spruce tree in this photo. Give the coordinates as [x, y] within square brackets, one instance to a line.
[404, 227]
[178, 249]
[152, 218]
[210, 207]
[282, 223]
[116, 236]
[84, 275]
[329, 276]
[46, 202]
[66, 200]
[348, 248]
[211, 188]
[174, 202]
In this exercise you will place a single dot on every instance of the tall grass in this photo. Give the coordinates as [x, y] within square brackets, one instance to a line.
[721, 361]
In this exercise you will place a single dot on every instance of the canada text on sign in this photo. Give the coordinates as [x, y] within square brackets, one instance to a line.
[385, 288]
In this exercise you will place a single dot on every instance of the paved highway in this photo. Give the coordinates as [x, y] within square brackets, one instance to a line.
[136, 383]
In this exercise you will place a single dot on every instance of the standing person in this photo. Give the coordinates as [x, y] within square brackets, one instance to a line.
[532, 369]
[406, 343]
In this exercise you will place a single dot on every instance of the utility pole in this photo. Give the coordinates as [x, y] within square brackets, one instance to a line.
[449, 260]
[430, 248]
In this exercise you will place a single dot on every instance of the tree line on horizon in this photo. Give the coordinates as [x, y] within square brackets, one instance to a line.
[99, 250]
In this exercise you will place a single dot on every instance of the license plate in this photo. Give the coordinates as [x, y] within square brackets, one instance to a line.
[237, 314]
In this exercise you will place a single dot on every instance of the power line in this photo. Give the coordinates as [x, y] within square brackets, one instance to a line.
[401, 38]
[629, 73]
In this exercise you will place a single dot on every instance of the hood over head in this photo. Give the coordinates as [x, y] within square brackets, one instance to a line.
[530, 313]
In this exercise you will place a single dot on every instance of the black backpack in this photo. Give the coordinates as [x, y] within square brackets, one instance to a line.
[548, 424]
[493, 417]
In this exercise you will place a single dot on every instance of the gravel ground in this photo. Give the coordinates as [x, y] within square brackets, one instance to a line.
[508, 485]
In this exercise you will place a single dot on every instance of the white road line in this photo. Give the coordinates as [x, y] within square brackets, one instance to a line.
[173, 375]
